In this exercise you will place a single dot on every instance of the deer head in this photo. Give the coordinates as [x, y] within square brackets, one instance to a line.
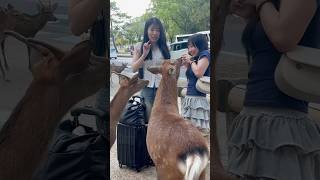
[118, 69]
[168, 68]
[47, 9]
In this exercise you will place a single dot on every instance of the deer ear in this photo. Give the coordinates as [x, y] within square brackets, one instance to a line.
[155, 69]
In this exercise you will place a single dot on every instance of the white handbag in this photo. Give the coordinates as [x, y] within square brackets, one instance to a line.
[298, 74]
[203, 84]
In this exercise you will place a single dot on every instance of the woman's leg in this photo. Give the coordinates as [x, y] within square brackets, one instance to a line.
[148, 94]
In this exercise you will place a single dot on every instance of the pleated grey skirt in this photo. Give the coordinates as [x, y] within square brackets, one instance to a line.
[273, 143]
[197, 110]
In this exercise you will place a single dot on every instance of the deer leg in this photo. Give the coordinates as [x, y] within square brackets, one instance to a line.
[29, 57]
[4, 55]
[3, 73]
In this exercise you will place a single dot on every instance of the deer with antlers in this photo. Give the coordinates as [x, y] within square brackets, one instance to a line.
[29, 25]
[24, 24]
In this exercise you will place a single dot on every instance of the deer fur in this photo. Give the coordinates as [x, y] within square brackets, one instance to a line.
[117, 69]
[128, 87]
[60, 80]
[177, 148]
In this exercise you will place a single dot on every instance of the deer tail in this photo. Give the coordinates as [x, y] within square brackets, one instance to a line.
[193, 163]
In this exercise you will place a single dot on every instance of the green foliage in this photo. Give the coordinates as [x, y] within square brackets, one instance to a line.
[177, 16]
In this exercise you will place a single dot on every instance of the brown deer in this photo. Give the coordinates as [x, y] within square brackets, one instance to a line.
[128, 87]
[177, 148]
[60, 80]
[25, 24]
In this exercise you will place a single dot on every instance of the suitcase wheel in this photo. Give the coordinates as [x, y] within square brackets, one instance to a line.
[120, 165]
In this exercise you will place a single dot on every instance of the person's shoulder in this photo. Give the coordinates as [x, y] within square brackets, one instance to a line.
[205, 53]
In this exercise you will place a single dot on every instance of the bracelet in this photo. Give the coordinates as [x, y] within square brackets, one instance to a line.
[259, 6]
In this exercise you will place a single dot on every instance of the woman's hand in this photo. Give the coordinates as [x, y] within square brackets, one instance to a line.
[186, 59]
[146, 49]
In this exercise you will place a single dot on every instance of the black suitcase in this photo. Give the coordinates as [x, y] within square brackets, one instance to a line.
[131, 146]
[131, 135]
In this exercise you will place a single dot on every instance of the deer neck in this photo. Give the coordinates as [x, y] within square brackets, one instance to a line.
[30, 128]
[167, 94]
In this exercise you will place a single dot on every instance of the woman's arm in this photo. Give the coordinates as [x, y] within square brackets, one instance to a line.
[82, 14]
[200, 68]
[138, 59]
[286, 27]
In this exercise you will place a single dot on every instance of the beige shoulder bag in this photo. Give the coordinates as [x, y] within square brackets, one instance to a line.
[298, 74]
[203, 84]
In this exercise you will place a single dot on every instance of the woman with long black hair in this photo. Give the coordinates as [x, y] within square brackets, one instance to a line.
[152, 51]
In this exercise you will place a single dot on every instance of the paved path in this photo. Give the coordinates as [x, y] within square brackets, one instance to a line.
[125, 173]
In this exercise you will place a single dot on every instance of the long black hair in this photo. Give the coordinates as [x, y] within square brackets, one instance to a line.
[247, 38]
[162, 41]
[200, 41]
